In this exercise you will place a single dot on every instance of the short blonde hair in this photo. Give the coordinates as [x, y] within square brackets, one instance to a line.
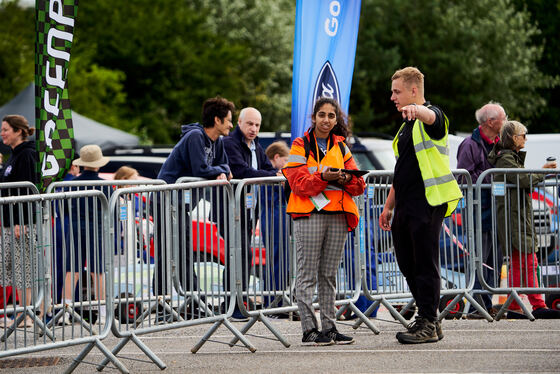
[125, 172]
[277, 148]
[410, 75]
[509, 129]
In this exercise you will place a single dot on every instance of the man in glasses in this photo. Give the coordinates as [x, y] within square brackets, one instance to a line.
[472, 155]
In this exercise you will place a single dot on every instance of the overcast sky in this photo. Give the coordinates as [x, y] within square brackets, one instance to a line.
[27, 2]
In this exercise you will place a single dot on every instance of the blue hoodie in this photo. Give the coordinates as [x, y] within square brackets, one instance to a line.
[195, 155]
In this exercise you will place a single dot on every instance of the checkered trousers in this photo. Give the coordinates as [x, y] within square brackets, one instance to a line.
[320, 241]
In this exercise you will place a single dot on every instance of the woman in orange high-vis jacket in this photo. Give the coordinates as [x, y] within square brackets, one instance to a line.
[323, 211]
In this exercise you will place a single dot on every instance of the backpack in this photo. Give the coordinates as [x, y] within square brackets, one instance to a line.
[307, 149]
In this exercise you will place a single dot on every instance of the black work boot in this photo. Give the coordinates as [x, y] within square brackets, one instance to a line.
[421, 331]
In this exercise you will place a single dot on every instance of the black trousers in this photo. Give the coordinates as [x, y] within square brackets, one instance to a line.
[416, 228]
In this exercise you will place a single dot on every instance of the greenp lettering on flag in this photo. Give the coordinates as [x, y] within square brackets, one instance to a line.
[53, 116]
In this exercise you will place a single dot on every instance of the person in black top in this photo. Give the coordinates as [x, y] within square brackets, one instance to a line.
[416, 224]
[17, 258]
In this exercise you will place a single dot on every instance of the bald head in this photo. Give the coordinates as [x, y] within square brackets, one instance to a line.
[491, 118]
[249, 123]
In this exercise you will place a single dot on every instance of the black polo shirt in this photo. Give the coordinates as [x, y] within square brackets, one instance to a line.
[407, 182]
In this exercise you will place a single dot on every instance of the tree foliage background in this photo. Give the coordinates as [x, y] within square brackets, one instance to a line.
[146, 66]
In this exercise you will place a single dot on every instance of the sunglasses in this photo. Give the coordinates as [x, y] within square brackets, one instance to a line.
[524, 136]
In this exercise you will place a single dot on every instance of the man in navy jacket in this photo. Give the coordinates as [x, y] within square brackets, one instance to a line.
[247, 159]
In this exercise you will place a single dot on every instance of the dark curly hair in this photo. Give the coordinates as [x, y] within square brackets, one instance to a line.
[215, 107]
[342, 126]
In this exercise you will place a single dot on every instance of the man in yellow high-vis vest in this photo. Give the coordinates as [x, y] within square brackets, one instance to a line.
[424, 191]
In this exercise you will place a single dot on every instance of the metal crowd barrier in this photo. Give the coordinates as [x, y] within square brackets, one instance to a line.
[263, 252]
[17, 189]
[382, 281]
[39, 330]
[510, 190]
[265, 258]
[242, 258]
[159, 284]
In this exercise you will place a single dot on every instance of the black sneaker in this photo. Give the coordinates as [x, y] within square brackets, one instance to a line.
[516, 315]
[423, 331]
[339, 338]
[439, 331]
[475, 315]
[414, 326]
[546, 313]
[314, 337]
[410, 328]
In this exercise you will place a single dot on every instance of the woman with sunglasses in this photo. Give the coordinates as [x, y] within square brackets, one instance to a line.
[515, 231]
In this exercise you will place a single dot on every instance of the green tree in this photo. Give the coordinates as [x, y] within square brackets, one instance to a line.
[171, 59]
[469, 52]
[95, 91]
[266, 28]
[98, 93]
[546, 14]
[17, 52]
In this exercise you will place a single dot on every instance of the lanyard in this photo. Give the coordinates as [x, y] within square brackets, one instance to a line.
[319, 165]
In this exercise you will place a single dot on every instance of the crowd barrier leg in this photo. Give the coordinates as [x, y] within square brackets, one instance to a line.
[143, 347]
[239, 336]
[78, 360]
[364, 318]
[475, 304]
[38, 325]
[252, 320]
[383, 301]
[514, 295]
[280, 337]
[266, 321]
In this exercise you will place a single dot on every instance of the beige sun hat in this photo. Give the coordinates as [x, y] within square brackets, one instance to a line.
[91, 156]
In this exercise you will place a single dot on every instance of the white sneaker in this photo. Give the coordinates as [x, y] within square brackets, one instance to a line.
[101, 320]
[66, 319]
[9, 322]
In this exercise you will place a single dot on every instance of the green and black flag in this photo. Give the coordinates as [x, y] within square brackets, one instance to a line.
[53, 117]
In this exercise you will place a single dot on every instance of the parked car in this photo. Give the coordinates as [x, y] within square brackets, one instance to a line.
[147, 166]
[365, 158]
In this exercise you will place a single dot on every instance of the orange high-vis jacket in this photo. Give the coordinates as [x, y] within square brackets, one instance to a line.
[303, 172]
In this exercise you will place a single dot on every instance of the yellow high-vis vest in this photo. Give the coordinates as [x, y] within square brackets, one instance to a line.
[433, 158]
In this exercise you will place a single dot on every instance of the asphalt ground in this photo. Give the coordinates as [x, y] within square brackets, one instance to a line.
[469, 346]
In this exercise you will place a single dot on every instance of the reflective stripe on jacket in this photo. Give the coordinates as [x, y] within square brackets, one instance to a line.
[433, 159]
[305, 180]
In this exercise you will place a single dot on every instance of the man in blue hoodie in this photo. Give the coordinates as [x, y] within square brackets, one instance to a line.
[202, 139]
[199, 153]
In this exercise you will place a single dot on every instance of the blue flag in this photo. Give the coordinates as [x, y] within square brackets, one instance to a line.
[324, 52]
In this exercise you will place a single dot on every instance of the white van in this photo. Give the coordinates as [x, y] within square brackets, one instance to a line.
[539, 147]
